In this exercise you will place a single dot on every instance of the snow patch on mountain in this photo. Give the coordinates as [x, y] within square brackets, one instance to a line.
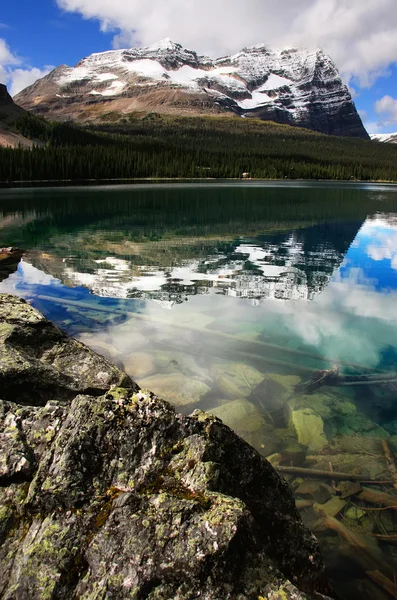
[390, 138]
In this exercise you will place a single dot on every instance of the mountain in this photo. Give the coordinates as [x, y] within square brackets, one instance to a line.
[13, 123]
[9, 112]
[384, 137]
[291, 86]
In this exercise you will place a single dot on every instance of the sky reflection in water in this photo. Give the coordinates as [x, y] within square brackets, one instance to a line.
[297, 296]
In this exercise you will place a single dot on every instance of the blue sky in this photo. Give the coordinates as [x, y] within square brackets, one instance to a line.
[360, 35]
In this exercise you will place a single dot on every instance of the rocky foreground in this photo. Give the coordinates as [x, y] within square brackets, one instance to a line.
[107, 492]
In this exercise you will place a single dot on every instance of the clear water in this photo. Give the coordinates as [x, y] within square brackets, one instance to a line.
[226, 297]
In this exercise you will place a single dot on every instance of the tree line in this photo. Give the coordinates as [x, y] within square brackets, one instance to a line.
[162, 146]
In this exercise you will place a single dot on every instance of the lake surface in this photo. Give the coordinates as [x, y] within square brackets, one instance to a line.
[230, 297]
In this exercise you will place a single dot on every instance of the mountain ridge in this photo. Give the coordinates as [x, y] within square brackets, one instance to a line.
[293, 86]
[390, 138]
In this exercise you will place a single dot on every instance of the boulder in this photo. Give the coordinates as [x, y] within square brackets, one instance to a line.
[38, 362]
[116, 496]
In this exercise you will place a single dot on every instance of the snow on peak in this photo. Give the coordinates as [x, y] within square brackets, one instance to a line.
[165, 45]
[384, 137]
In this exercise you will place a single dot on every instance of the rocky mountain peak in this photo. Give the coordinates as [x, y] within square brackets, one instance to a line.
[295, 86]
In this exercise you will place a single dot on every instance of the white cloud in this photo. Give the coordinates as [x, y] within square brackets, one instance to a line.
[360, 35]
[6, 56]
[14, 74]
[387, 107]
[21, 78]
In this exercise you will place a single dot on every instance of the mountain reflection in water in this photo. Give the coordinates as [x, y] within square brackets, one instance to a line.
[224, 298]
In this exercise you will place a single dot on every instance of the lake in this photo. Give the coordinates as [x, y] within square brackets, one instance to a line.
[272, 305]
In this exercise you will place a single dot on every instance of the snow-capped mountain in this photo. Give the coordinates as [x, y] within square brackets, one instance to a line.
[293, 86]
[390, 138]
[283, 267]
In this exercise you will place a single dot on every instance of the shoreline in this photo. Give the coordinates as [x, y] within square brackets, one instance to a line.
[180, 180]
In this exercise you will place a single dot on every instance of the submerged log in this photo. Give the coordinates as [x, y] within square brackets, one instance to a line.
[320, 473]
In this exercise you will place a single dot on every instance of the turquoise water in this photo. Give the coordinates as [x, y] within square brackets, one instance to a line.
[228, 297]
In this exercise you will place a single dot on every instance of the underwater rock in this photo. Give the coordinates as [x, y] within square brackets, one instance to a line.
[331, 508]
[349, 488]
[320, 491]
[246, 420]
[118, 496]
[271, 397]
[98, 345]
[39, 362]
[359, 423]
[236, 380]
[309, 429]
[138, 364]
[176, 388]
[240, 415]
[180, 362]
[354, 513]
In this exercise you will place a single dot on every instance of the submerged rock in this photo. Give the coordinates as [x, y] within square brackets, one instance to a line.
[246, 420]
[139, 364]
[309, 429]
[176, 388]
[117, 496]
[236, 380]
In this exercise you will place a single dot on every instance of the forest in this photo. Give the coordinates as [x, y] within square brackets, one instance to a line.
[166, 146]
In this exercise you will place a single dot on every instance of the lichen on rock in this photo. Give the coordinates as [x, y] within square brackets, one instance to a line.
[117, 496]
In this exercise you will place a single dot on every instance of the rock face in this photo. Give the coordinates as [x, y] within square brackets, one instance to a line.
[5, 98]
[117, 496]
[292, 86]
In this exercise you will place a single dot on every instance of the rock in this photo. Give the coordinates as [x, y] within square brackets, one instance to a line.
[176, 388]
[323, 493]
[318, 490]
[331, 508]
[98, 345]
[355, 513]
[246, 420]
[271, 396]
[309, 429]
[9, 257]
[180, 362]
[39, 362]
[274, 459]
[301, 504]
[236, 380]
[308, 487]
[240, 415]
[117, 496]
[349, 488]
[139, 364]
[184, 518]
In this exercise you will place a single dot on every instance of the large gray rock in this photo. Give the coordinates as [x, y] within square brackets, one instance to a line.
[118, 496]
[38, 362]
